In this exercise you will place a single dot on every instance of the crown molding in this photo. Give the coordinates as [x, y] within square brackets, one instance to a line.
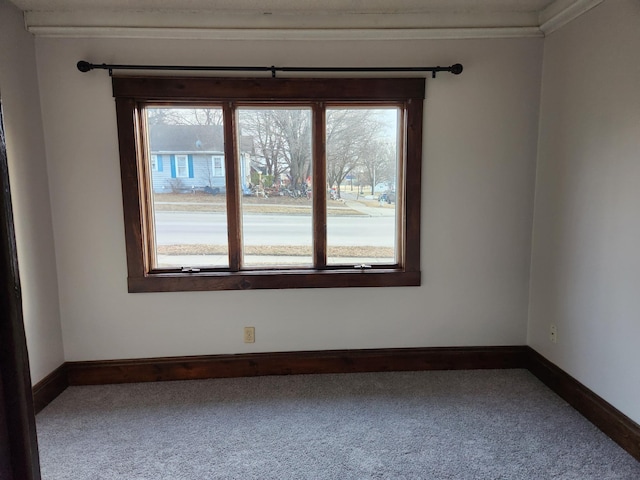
[324, 26]
[286, 34]
[252, 26]
[208, 19]
[561, 12]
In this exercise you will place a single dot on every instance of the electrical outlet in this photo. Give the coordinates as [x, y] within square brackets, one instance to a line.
[553, 333]
[249, 334]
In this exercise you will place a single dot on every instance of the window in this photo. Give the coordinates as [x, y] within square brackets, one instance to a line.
[317, 185]
[181, 166]
[217, 163]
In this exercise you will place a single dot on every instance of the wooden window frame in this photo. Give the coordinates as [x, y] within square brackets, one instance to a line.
[133, 93]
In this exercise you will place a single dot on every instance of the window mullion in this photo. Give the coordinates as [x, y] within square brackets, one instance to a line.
[319, 189]
[234, 224]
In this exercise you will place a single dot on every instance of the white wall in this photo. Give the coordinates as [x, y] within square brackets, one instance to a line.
[30, 193]
[586, 260]
[479, 169]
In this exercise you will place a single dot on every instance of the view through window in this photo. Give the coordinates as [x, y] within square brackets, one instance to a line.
[189, 196]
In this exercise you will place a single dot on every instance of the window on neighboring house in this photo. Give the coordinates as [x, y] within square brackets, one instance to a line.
[181, 166]
[218, 166]
[320, 182]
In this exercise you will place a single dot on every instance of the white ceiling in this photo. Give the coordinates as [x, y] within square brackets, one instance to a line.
[300, 18]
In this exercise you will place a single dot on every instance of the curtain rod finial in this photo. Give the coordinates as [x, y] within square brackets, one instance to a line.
[456, 69]
[84, 66]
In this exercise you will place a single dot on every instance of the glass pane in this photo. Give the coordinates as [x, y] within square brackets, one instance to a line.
[276, 168]
[187, 176]
[362, 171]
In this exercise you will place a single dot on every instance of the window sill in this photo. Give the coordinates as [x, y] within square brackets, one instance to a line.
[271, 279]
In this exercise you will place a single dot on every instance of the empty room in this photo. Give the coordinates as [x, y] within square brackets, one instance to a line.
[320, 239]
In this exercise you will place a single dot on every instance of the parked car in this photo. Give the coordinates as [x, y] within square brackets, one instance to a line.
[387, 197]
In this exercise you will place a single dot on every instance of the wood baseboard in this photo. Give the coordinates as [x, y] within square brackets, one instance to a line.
[290, 363]
[607, 418]
[620, 428]
[47, 389]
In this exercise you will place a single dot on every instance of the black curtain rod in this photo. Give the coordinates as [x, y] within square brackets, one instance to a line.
[85, 66]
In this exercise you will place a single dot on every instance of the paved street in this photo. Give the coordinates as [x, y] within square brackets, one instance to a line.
[173, 228]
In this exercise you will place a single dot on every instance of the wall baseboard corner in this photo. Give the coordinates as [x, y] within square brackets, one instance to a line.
[615, 424]
[47, 389]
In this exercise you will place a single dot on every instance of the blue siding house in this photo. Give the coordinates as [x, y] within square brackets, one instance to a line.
[190, 158]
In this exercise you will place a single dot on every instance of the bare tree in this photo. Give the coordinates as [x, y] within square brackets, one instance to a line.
[379, 162]
[267, 139]
[208, 167]
[295, 127]
[282, 138]
[350, 133]
[184, 116]
[207, 116]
